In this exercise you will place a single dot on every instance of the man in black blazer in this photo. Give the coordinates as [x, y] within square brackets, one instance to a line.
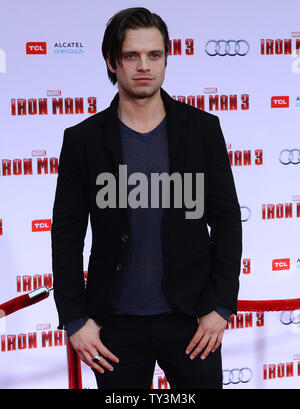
[160, 286]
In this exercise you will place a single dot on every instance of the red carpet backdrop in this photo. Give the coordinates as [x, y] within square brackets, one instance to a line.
[237, 60]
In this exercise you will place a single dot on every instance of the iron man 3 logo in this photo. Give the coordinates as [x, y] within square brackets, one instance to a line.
[58, 106]
[246, 157]
[281, 370]
[216, 102]
[46, 339]
[280, 211]
[246, 320]
[16, 167]
[279, 46]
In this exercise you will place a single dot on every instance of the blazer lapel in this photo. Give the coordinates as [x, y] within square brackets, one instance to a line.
[111, 134]
[176, 128]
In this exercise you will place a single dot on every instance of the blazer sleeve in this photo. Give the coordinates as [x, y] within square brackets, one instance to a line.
[224, 218]
[69, 224]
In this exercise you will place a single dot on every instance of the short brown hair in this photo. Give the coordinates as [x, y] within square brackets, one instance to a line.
[135, 17]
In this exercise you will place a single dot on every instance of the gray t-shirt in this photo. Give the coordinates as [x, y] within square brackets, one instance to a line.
[139, 287]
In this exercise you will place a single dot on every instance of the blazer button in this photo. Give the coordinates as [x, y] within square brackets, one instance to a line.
[124, 237]
[119, 267]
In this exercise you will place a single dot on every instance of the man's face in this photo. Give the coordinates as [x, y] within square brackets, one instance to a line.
[143, 60]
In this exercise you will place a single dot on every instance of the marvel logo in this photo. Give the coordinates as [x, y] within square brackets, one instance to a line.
[53, 93]
[44, 326]
[210, 90]
[38, 152]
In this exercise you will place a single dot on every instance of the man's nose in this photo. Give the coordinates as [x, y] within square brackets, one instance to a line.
[143, 64]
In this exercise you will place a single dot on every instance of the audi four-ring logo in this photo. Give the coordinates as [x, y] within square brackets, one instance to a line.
[290, 317]
[289, 156]
[227, 47]
[245, 213]
[237, 375]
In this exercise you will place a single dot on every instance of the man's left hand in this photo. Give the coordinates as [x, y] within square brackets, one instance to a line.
[209, 334]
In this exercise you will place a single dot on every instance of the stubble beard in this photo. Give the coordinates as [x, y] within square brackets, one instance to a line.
[141, 91]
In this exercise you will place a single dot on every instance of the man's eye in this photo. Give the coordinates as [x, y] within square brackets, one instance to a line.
[129, 56]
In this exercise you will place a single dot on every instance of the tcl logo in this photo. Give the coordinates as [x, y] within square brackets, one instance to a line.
[41, 225]
[36, 48]
[280, 102]
[281, 264]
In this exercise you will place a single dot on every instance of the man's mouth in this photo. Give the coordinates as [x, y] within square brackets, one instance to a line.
[143, 79]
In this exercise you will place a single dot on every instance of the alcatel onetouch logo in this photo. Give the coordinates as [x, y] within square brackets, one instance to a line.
[41, 225]
[280, 102]
[36, 48]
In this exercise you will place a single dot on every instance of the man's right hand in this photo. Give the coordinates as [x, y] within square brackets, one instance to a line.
[86, 342]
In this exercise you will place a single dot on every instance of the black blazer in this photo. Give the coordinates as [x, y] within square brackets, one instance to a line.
[201, 265]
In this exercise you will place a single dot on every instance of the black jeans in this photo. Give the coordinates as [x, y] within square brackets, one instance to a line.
[140, 341]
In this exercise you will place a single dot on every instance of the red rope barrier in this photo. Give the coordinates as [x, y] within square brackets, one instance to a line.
[74, 363]
[23, 301]
[33, 297]
[269, 305]
[74, 367]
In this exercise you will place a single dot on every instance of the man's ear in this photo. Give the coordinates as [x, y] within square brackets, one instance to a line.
[109, 64]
